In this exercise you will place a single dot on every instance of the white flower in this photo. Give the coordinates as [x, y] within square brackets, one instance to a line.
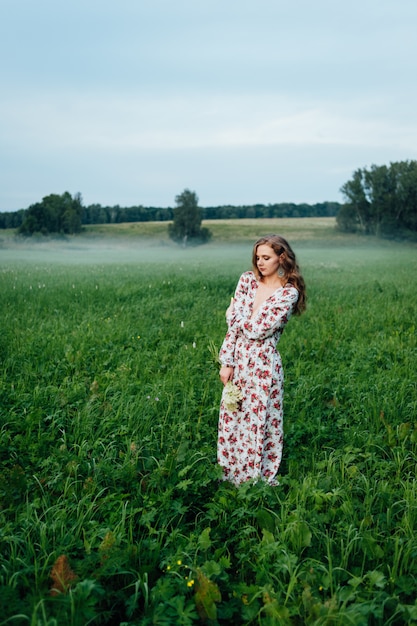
[232, 395]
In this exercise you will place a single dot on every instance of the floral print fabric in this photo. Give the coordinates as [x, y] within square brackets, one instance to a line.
[250, 438]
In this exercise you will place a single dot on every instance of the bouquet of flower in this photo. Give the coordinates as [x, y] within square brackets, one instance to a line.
[232, 395]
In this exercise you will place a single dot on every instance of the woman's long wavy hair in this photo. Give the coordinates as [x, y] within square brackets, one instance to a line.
[289, 264]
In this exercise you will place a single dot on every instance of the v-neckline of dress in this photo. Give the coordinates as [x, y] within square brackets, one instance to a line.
[255, 313]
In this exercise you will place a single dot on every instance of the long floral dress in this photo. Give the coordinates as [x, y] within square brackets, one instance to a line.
[251, 438]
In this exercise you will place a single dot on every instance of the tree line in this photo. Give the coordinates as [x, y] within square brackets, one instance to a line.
[380, 200]
[48, 215]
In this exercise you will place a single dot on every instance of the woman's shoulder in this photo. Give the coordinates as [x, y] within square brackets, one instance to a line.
[246, 283]
[247, 278]
[290, 291]
[290, 286]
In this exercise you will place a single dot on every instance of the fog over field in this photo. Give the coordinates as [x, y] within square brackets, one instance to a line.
[315, 240]
[107, 250]
[116, 250]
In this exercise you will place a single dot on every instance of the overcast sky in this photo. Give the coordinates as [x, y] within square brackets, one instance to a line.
[242, 101]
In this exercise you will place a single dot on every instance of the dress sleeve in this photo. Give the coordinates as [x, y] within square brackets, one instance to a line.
[273, 317]
[226, 355]
[240, 303]
[227, 351]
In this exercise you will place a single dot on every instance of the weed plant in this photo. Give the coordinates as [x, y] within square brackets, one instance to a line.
[112, 507]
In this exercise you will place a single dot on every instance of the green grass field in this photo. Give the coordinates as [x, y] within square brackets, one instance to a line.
[112, 511]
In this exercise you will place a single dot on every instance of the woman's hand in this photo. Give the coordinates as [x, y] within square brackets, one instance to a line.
[226, 374]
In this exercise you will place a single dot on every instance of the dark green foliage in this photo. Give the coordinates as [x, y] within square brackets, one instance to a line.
[381, 201]
[55, 214]
[186, 225]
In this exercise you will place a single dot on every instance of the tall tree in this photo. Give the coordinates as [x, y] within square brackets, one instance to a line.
[186, 225]
[406, 193]
[355, 215]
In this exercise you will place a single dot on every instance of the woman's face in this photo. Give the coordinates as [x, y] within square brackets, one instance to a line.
[267, 260]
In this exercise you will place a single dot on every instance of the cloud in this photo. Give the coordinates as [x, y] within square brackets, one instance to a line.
[131, 123]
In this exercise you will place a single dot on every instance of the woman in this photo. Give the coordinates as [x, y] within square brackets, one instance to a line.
[251, 416]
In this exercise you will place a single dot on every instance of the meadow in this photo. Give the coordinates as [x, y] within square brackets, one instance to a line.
[112, 511]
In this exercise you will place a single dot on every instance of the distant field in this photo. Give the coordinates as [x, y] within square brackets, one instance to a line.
[292, 228]
[233, 231]
[224, 231]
